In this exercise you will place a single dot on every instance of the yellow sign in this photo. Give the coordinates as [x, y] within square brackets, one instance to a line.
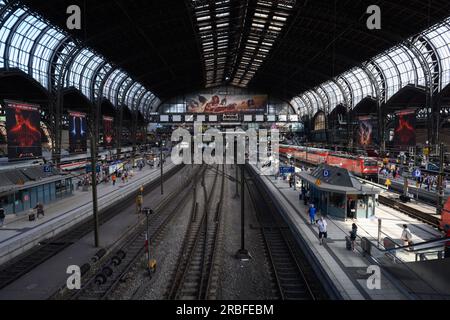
[388, 182]
[318, 182]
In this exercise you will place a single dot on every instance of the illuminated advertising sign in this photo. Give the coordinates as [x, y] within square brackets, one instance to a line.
[108, 131]
[367, 133]
[405, 128]
[23, 130]
[219, 103]
[77, 132]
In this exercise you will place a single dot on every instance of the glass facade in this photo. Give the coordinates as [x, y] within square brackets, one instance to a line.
[23, 200]
[29, 43]
[392, 70]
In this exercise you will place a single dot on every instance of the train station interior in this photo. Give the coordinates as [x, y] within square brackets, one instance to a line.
[225, 150]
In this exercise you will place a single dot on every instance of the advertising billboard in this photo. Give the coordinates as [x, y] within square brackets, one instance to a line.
[367, 133]
[108, 131]
[220, 103]
[23, 130]
[405, 128]
[77, 132]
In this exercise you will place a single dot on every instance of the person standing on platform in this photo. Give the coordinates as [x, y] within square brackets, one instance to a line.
[40, 210]
[307, 195]
[2, 216]
[353, 235]
[312, 214]
[322, 225]
[406, 236]
[139, 202]
[291, 180]
[113, 178]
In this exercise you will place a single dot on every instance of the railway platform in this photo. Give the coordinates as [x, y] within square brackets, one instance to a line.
[348, 270]
[20, 235]
[47, 278]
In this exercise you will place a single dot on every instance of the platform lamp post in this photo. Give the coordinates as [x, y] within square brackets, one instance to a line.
[161, 164]
[151, 263]
[440, 187]
[242, 253]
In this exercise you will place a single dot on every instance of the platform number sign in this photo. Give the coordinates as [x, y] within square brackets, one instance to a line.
[326, 173]
[417, 173]
[47, 168]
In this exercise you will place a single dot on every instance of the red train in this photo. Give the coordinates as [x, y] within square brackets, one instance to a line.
[364, 167]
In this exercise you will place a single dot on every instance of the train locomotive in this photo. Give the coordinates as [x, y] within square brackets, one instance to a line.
[364, 167]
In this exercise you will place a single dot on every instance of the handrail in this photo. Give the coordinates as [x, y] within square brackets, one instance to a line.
[441, 241]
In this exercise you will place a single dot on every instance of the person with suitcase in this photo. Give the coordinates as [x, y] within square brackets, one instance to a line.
[40, 210]
[353, 235]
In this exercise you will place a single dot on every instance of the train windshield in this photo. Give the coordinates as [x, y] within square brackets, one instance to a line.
[370, 163]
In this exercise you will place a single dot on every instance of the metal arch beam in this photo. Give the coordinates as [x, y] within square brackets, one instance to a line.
[344, 94]
[96, 74]
[83, 72]
[11, 34]
[33, 48]
[350, 92]
[119, 85]
[307, 105]
[127, 88]
[54, 59]
[411, 57]
[138, 95]
[9, 5]
[141, 96]
[373, 81]
[382, 90]
[152, 107]
[325, 105]
[433, 130]
[311, 104]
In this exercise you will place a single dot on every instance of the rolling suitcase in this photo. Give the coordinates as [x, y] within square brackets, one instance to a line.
[31, 217]
[348, 243]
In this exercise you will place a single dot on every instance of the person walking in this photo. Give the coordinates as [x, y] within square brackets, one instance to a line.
[307, 195]
[2, 216]
[312, 214]
[322, 225]
[113, 178]
[406, 236]
[353, 234]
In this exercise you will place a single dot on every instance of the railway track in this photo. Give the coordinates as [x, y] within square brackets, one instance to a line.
[101, 284]
[294, 277]
[24, 263]
[195, 277]
[412, 212]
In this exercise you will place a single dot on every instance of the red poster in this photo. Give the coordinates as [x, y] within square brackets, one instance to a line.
[23, 130]
[405, 128]
[108, 131]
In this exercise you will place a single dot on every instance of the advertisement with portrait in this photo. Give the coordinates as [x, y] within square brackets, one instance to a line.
[367, 131]
[108, 131]
[77, 132]
[23, 130]
[405, 128]
[220, 103]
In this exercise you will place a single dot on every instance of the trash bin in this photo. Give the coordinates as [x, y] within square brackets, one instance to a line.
[366, 245]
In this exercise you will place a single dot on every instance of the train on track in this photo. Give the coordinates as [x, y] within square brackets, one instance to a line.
[365, 167]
